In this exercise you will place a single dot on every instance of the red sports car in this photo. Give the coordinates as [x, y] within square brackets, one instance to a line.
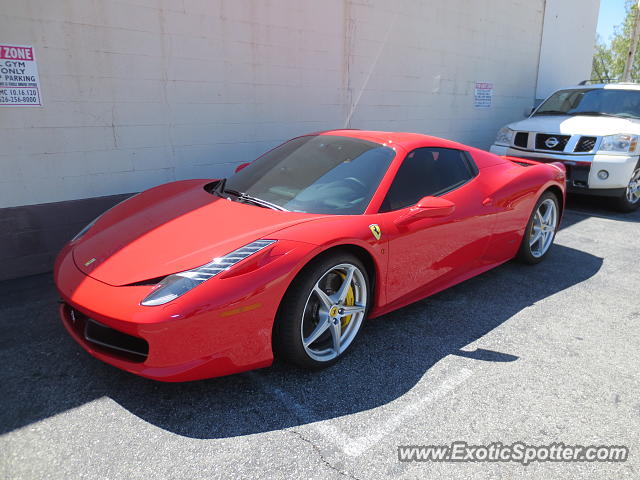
[287, 257]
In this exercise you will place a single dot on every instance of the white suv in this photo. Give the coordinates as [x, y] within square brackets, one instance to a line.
[594, 130]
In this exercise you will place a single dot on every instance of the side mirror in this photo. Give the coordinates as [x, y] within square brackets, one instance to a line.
[242, 165]
[427, 207]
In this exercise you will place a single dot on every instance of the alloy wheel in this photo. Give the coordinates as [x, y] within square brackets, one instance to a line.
[633, 189]
[543, 228]
[334, 312]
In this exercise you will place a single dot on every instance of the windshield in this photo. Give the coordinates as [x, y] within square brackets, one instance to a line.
[593, 101]
[317, 174]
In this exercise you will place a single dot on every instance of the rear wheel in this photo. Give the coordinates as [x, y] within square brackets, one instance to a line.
[630, 200]
[541, 229]
[323, 311]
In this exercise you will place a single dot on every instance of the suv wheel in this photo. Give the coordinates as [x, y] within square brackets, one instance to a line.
[630, 199]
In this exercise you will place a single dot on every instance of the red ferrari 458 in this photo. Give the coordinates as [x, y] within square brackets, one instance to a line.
[290, 255]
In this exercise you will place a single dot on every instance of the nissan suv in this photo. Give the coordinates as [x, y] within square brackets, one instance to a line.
[594, 130]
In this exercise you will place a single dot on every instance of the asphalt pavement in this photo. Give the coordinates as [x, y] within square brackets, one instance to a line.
[542, 354]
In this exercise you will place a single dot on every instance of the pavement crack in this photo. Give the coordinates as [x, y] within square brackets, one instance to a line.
[323, 459]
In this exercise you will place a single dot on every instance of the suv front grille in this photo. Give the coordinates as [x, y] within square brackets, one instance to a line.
[585, 144]
[521, 139]
[578, 175]
[543, 138]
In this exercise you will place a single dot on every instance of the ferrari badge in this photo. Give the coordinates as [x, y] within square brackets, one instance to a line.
[375, 229]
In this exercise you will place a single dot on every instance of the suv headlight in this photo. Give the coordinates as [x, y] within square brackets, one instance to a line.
[178, 284]
[504, 137]
[621, 143]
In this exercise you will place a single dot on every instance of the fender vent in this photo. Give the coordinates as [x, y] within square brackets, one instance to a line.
[149, 282]
[522, 164]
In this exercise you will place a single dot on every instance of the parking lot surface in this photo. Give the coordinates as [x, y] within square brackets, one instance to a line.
[540, 354]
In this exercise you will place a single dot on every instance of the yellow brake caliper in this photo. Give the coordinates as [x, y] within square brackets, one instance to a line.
[350, 301]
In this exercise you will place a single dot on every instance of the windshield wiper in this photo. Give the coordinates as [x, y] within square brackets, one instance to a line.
[220, 190]
[256, 201]
[551, 112]
[594, 113]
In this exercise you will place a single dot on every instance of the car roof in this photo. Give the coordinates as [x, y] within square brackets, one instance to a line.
[406, 140]
[605, 86]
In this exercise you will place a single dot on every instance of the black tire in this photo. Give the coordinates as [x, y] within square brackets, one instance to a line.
[288, 328]
[525, 253]
[623, 203]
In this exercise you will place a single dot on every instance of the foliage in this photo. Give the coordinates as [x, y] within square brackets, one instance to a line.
[602, 62]
[609, 60]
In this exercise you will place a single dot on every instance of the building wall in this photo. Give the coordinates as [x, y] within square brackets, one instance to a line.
[567, 44]
[142, 92]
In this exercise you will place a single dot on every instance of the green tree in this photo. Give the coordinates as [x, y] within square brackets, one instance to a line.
[602, 61]
[608, 61]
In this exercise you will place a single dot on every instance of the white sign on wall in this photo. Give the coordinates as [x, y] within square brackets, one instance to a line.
[19, 82]
[483, 94]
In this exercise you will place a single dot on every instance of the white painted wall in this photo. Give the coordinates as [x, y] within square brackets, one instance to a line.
[568, 38]
[141, 92]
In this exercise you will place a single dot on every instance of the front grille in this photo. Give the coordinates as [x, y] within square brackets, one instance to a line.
[521, 139]
[107, 339]
[542, 138]
[578, 175]
[585, 144]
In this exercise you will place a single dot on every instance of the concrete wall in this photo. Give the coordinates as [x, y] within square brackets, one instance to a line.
[142, 92]
[31, 236]
[567, 44]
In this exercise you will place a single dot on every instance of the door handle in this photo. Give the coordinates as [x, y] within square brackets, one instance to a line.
[487, 202]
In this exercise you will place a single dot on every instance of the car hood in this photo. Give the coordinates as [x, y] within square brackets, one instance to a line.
[172, 228]
[582, 125]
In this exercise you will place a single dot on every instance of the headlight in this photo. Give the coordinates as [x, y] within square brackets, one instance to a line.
[622, 143]
[504, 137]
[178, 284]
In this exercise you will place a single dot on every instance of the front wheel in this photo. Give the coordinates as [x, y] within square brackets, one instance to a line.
[323, 311]
[630, 199]
[541, 229]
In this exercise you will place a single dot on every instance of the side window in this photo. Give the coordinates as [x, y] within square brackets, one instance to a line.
[428, 171]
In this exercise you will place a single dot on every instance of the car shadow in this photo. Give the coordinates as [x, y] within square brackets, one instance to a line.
[45, 373]
[581, 207]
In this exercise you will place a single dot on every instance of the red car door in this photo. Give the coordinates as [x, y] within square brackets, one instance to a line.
[428, 254]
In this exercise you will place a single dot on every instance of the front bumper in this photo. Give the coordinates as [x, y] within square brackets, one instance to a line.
[199, 335]
[582, 170]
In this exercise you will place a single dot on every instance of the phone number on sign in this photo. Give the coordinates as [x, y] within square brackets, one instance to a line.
[17, 92]
[18, 99]
[18, 95]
